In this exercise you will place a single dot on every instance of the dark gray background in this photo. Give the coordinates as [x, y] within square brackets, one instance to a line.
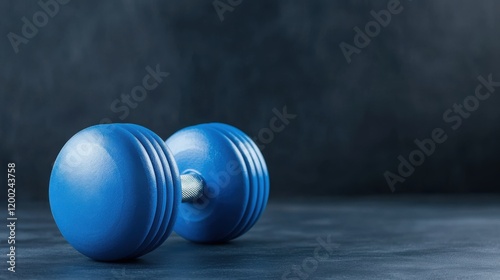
[353, 119]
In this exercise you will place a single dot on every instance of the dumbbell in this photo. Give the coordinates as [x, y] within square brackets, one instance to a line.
[117, 191]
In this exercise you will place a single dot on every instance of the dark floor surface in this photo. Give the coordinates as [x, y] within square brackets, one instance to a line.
[392, 237]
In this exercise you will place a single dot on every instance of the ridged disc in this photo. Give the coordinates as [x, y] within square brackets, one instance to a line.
[237, 184]
[112, 192]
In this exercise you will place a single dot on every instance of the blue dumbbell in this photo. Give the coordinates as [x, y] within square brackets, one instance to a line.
[118, 190]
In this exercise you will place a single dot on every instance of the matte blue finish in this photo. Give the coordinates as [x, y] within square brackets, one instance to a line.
[236, 177]
[114, 191]
[261, 174]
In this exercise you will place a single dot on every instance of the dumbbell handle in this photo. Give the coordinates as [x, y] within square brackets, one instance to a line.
[192, 187]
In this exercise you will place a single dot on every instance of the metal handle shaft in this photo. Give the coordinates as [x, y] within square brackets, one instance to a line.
[192, 187]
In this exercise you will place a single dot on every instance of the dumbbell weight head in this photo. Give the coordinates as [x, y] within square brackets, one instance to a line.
[115, 190]
[236, 182]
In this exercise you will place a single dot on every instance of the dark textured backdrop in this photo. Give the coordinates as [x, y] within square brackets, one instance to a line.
[353, 119]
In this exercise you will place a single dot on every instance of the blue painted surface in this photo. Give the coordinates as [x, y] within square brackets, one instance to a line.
[115, 190]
